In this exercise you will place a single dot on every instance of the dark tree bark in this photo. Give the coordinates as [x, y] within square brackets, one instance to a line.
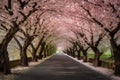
[84, 50]
[4, 63]
[72, 52]
[45, 54]
[46, 50]
[97, 57]
[79, 57]
[41, 51]
[23, 54]
[116, 51]
[3, 50]
[34, 56]
[68, 52]
[85, 56]
[78, 54]
[34, 53]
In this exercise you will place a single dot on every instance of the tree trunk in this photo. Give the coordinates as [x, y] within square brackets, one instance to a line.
[24, 60]
[45, 55]
[45, 52]
[40, 56]
[41, 51]
[97, 59]
[116, 52]
[79, 55]
[97, 55]
[85, 56]
[68, 52]
[34, 56]
[36, 49]
[5, 64]
[112, 54]
[73, 54]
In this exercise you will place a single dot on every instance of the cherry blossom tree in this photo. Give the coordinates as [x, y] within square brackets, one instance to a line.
[10, 14]
[13, 16]
[106, 15]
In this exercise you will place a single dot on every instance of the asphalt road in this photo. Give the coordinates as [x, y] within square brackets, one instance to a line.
[61, 67]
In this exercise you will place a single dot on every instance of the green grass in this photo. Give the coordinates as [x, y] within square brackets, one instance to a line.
[91, 55]
[106, 55]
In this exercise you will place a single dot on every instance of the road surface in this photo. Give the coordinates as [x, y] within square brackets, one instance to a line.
[61, 67]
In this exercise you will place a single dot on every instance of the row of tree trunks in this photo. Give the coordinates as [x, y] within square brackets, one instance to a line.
[35, 49]
[97, 55]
